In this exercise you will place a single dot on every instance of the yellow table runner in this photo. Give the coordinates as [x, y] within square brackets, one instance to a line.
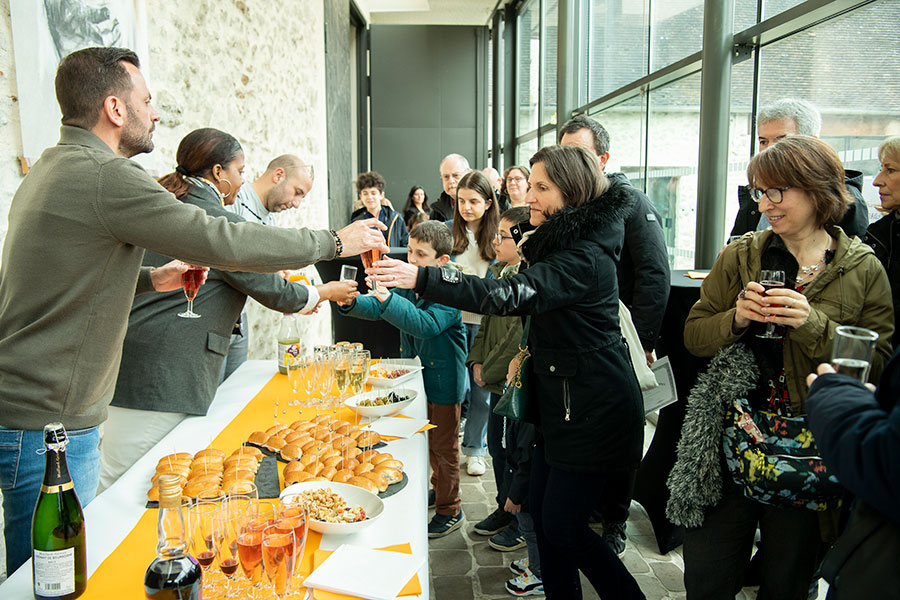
[121, 575]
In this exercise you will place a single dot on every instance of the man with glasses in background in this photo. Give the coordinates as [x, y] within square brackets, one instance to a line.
[774, 122]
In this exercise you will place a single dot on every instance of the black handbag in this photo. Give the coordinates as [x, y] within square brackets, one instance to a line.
[513, 404]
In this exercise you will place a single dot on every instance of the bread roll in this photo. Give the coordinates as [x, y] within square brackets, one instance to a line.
[298, 477]
[291, 452]
[328, 472]
[167, 464]
[391, 463]
[352, 453]
[214, 452]
[302, 425]
[245, 451]
[327, 453]
[276, 428]
[367, 455]
[294, 436]
[342, 476]
[362, 482]
[182, 478]
[193, 488]
[295, 466]
[244, 462]
[178, 456]
[258, 437]
[368, 438]
[333, 461]
[363, 468]
[391, 475]
[239, 474]
[323, 419]
[210, 462]
[380, 457]
[206, 473]
[180, 470]
[378, 479]
[343, 443]
[351, 463]
[322, 434]
[275, 443]
[237, 486]
[153, 494]
[314, 468]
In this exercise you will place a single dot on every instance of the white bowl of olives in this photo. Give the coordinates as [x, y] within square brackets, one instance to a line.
[381, 403]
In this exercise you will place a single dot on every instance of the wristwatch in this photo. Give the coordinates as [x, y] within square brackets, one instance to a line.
[450, 274]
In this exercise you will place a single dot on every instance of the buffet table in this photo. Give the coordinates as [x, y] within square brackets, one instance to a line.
[121, 533]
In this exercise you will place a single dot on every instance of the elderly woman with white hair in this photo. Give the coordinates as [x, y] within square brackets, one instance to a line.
[884, 235]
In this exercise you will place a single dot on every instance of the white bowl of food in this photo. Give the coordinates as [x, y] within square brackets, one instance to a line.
[381, 403]
[337, 508]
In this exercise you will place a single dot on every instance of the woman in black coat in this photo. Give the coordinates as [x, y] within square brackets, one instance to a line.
[587, 404]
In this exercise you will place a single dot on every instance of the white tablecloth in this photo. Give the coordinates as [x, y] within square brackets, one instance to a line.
[112, 515]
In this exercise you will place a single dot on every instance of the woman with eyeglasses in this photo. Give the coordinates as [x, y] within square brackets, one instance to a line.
[515, 185]
[829, 280]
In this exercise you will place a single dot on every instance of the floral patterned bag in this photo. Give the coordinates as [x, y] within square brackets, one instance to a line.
[775, 460]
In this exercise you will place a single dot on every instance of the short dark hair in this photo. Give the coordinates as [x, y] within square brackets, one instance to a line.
[370, 179]
[808, 164]
[574, 170]
[516, 214]
[435, 234]
[198, 152]
[579, 122]
[86, 78]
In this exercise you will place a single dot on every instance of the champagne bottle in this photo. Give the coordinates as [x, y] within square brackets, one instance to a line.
[173, 574]
[288, 334]
[57, 528]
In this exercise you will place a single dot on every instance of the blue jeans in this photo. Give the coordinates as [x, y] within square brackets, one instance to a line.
[526, 528]
[21, 476]
[477, 417]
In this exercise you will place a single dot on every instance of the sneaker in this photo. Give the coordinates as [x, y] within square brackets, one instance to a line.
[507, 540]
[526, 584]
[475, 466]
[614, 535]
[441, 525]
[431, 498]
[495, 522]
[519, 566]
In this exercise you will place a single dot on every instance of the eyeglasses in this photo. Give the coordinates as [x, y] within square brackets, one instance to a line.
[515, 179]
[772, 193]
[499, 237]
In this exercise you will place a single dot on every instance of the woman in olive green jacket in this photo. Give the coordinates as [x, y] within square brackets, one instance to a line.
[830, 280]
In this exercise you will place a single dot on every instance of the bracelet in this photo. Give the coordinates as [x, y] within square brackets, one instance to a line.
[338, 244]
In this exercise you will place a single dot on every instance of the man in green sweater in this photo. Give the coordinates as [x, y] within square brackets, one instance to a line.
[71, 265]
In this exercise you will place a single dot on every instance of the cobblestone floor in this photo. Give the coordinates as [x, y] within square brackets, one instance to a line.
[464, 567]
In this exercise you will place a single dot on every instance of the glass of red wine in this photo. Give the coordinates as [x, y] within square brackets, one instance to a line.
[190, 282]
[368, 258]
[207, 537]
[771, 280]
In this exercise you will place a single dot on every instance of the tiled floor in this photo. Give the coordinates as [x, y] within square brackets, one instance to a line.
[464, 567]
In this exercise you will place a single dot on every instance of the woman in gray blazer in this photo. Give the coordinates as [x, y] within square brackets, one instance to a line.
[170, 366]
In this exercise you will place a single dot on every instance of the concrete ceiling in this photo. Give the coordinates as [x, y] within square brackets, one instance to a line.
[429, 12]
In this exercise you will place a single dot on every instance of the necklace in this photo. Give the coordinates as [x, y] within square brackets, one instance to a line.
[810, 271]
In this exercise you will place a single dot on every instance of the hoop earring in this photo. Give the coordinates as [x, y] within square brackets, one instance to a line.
[230, 187]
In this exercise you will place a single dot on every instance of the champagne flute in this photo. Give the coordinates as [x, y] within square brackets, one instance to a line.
[324, 373]
[293, 364]
[228, 553]
[250, 551]
[190, 283]
[771, 280]
[206, 538]
[212, 495]
[243, 489]
[309, 379]
[278, 558]
[359, 371]
[294, 515]
[368, 258]
[341, 365]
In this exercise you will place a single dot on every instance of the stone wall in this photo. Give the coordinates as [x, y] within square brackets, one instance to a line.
[236, 65]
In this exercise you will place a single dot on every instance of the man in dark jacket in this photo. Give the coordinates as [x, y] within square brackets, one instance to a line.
[453, 167]
[643, 277]
[795, 117]
[858, 435]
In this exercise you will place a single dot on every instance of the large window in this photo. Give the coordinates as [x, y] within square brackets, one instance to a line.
[638, 72]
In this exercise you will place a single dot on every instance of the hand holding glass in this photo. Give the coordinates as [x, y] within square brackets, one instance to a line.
[190, 283]
[770, 280]
[852, 351]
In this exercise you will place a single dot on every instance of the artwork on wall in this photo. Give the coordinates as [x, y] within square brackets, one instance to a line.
[44, 31]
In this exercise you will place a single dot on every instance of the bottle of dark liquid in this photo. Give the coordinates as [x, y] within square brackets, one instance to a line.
[57, 527]
[173, 574]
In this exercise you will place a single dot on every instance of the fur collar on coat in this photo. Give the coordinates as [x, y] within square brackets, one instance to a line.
[695, 482]
[601, 221]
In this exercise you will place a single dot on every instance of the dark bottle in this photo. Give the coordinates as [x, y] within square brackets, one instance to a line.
[57, 528]
[173, 574]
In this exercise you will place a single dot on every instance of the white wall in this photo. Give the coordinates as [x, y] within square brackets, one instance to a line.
[243, 67]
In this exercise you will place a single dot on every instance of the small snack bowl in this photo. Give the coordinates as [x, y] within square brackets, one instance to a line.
[382, 410]
[354, 497]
